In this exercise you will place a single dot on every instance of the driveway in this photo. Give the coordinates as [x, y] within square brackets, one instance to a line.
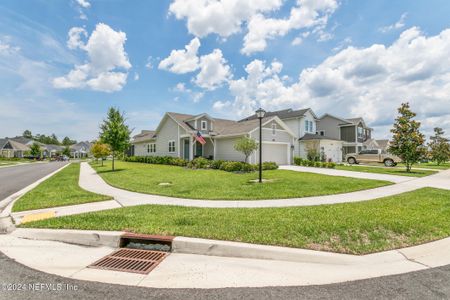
[13, 179]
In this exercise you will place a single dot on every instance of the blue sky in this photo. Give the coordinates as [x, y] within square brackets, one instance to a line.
[349, 58]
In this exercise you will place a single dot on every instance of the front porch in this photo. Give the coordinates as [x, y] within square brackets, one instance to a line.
[190, 148]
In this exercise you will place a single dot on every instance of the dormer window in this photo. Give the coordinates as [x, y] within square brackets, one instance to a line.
[203, 125]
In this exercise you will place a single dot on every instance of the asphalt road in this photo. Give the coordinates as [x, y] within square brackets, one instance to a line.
[428, 284]
[13, 179]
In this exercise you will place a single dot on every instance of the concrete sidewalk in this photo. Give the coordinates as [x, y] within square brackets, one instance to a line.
[91, 181]
[201, 271]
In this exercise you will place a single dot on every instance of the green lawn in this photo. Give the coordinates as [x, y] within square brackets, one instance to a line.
[390, 171]
[430, 165]
[59, 190]
[358, 228]
[216, 184]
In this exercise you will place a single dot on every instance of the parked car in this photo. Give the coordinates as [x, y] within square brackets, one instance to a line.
[372, 156]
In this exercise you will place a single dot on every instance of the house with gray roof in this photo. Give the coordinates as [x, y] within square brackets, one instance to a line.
[80, 149]
[175, 136]
[9, 148]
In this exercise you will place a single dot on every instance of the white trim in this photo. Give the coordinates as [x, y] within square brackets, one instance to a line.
[279, 121]
[175, 150]
[205, 123]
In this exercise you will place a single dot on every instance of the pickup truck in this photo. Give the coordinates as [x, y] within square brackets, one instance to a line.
[372, 156]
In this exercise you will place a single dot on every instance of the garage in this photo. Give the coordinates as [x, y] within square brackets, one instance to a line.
[275, 152]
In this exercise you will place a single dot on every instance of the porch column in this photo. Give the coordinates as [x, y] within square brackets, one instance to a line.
[191, 149]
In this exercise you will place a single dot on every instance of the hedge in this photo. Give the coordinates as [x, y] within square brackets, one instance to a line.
[317, 164]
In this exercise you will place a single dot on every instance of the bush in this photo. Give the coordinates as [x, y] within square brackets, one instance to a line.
[331, 165]
[215, 164]
[324, 165]
[231, 166]
[298, 161]
[199, 163]
[269, 165]
[245, 167]
[317, 164]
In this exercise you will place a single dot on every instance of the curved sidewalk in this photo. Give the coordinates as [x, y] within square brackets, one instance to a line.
[91, 181]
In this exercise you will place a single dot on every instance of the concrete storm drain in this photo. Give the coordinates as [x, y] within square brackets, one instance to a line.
[136, 256]
[131, 260]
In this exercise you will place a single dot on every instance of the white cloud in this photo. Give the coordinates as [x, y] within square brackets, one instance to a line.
[297, 41]
[227, 17]
[84, 3]
[307, 14]
[136, 76]
[182, 61]
[107, 65]
[214, 71]
[397, 25]
[369, 82]
[223, 17]
[7, 49]
[181, 87]
[75, 35]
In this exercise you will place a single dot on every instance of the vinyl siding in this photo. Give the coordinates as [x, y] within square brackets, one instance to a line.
[330, 126]
[225, 150]
[168, 132]
[281, 136]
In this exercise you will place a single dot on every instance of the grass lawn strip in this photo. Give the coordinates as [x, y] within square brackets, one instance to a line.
[390, 171]
[59, 190]
[430, 165]
[221, 185]
[358, 228]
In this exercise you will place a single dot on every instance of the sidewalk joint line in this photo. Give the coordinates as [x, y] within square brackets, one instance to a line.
[413, 260]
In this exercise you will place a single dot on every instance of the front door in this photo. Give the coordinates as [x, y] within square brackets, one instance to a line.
[186, 149]
[198, 149]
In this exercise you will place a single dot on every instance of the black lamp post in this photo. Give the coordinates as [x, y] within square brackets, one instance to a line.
[260, 113]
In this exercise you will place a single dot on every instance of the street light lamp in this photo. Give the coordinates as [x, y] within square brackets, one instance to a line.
[260, 113]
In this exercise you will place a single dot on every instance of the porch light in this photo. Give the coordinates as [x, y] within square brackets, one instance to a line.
[260, 113]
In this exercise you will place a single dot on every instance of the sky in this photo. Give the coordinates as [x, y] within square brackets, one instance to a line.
[63, 63]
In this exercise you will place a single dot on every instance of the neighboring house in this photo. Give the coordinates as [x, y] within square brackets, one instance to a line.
[80, 149]
[174, 137]
[353, 132]
[9, 148]
[372, 144]
[304, 124]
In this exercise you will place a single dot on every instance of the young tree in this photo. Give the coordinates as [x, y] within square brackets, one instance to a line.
[66, 151]
[35, 150]
[27, 134]
[247, 146]
[439, 147]
[115, 132]
[407, 141]
[100, 150]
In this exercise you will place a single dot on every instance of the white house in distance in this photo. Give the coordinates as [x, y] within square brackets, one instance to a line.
[286, 134]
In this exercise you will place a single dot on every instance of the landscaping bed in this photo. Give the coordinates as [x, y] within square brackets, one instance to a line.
[211, 184]
[59, 190]
[357, 228]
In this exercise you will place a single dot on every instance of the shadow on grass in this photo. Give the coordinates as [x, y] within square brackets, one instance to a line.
[110, 171]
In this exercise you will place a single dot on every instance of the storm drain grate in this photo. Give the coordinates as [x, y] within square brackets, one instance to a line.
[131, 260]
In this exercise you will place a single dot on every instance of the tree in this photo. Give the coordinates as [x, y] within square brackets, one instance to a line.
[439, 147]
[27, 134]
[67, 141]
[100, 150]
[66, 151]
[247, 146]
[35, 150]
[53, 140]
[407, 141]
[115, 132]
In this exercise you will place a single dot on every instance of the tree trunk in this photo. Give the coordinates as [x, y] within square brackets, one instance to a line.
[102, 161]
[113, 161]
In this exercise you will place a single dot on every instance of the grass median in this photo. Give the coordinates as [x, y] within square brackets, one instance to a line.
[389, 171]
[220, 185]
[59, 190]
[358, 228]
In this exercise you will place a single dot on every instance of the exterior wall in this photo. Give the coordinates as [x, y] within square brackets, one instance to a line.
[281, 136]
[330, 126]
[308, 116]
[332, 150]
[348, 134]
[208, 149]
[225, 150]
[169, 132]
[140, 149]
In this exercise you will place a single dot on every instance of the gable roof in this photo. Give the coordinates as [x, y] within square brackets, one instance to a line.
[282, 114]
[22, 140]
[16, 145]
[86, 146]
[2, 143]
[344, 121]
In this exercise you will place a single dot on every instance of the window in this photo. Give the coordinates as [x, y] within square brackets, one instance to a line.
[151, 148]
[204, 125]
[306, 125]
[360, 132]
[322, 133]
[274, 128]
[171, 146]
[309, 126]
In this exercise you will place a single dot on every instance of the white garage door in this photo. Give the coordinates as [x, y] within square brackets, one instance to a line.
[276, 152]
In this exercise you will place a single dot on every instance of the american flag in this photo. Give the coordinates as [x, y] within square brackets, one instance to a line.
[199, 138]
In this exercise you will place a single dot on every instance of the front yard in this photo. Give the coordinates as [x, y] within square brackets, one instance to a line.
[384, 170]
[215, 184]
[59, 190]
[358, 228]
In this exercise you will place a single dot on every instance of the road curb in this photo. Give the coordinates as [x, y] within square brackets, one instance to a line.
[91, 238]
